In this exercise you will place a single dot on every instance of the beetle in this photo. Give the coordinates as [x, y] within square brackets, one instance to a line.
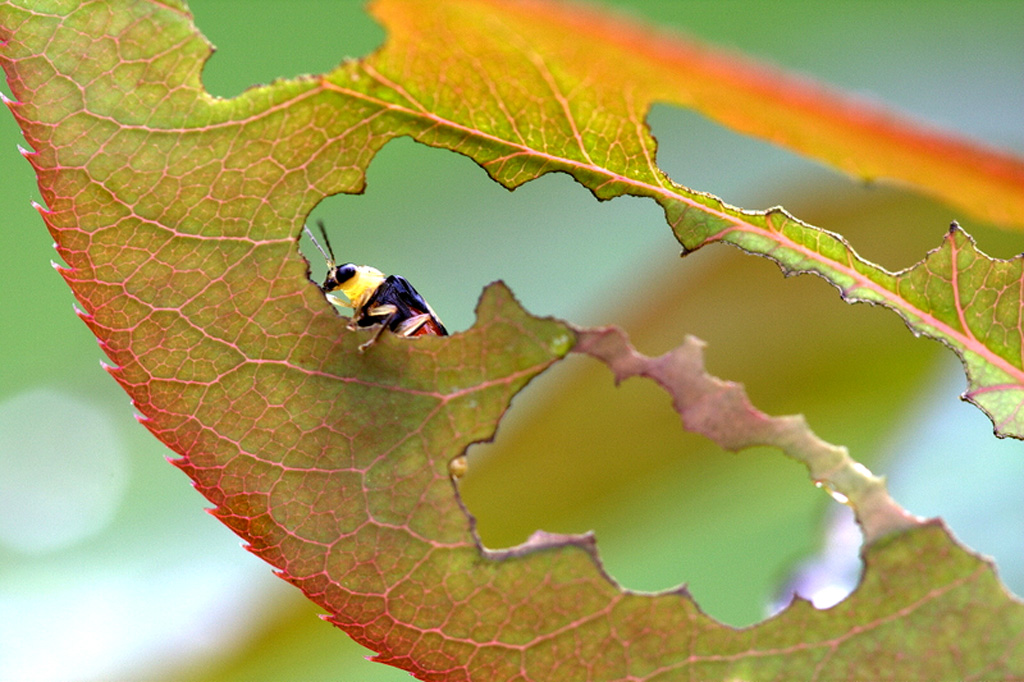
[377, 300]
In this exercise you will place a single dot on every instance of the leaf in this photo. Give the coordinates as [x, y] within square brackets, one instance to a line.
[177, 213]
[600, 85]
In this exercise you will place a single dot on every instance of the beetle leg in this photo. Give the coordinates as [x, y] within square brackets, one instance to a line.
[338, 300]
[373, 339]
[379, 310]
[388, 310]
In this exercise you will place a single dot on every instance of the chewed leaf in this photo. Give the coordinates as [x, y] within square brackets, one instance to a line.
[177, 215]
[957, 295]
[721, 411]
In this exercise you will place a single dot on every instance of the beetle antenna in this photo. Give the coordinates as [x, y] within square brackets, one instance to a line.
[329, 253]
[327, 242]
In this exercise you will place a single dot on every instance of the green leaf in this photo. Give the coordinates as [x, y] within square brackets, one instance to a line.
[177, 216]
[957, 295]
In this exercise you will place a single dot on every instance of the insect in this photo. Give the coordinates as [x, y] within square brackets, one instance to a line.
[386, 302]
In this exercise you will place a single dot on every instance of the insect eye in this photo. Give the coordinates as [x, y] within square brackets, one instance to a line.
[338, 276]
[345, 272]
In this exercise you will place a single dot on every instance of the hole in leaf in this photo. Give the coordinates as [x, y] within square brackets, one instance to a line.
[437, 219]
[263, 40]
[667, 506]
[833, 572]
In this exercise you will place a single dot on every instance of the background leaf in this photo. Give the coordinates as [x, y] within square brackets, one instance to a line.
[602, 82]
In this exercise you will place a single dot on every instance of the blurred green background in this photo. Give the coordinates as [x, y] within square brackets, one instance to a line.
[109, 570]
